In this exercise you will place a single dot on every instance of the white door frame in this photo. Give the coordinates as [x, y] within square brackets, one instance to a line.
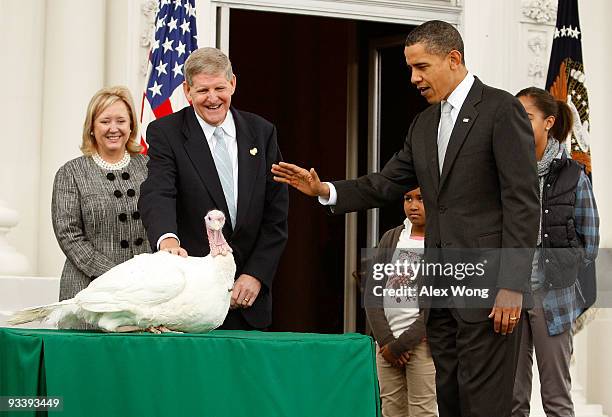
[374, 106]
[213, 24]
[408, 12]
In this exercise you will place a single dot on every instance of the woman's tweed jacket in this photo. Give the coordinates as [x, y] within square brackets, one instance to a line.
[96, 220]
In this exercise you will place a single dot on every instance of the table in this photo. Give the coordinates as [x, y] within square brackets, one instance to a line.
[221, 373]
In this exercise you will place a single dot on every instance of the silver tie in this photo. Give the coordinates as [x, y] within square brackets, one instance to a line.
[223, 163]
[446, 127]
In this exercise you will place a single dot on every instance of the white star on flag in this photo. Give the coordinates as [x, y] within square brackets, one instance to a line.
[156, 89]
[172, 24]
[185, 27]
[180, 48]
[161, 68]
[178, 69]
[168, 45]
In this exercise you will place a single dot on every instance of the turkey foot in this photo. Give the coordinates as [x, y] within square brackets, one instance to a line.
[164, 329]
[160, 330]
[128, 329]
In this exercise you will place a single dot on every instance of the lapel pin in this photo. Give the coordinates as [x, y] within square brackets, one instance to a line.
[253, 151]
[466, 120]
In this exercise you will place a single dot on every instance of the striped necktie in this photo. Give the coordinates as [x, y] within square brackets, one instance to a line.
[223, 163]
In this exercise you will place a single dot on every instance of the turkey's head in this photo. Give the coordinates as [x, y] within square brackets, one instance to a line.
[215, 220]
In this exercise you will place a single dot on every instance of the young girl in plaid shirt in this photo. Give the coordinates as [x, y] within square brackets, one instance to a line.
[568, 240]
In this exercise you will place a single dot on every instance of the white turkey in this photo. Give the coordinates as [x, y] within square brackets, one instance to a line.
[153, 292]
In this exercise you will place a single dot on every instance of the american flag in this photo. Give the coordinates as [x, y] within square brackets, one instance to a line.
[566, 78]
[175, 39]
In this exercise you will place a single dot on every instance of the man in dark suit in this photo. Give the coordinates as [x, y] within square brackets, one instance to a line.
[472, 154]
[211, 156]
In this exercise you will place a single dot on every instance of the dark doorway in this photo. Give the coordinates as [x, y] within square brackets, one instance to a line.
[399, 101]
[292, 70]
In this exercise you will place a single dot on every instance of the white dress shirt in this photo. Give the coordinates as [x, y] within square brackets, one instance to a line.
[229, 134]
[456, 99]
[458, 96]
[402, 315]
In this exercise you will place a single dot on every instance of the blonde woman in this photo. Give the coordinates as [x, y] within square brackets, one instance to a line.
[95, 196]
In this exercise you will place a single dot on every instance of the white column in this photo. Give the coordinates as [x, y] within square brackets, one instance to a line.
[595, 18]
[22, 31]
[488, 32]
[126, 55]
[74, 71]
[206, 20]
[599, 370]
[118, 42]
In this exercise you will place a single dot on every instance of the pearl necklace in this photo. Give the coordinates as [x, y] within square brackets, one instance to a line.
[112, 166]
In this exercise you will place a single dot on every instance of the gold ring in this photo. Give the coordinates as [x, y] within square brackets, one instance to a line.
[246, 299]
[513, 318]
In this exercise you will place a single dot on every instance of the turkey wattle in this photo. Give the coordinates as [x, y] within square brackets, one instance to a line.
[154, 292]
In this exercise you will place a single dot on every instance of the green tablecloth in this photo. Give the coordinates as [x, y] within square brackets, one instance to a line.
[222, 373]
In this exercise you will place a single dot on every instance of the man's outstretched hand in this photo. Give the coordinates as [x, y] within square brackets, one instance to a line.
[305, 181]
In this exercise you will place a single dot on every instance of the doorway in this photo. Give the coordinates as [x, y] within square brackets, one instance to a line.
[292, 70]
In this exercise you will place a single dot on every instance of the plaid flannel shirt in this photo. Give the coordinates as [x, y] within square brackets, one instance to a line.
[562, 306]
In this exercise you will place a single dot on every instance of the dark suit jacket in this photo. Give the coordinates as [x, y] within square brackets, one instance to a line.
[487, 195]
[183, 186]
